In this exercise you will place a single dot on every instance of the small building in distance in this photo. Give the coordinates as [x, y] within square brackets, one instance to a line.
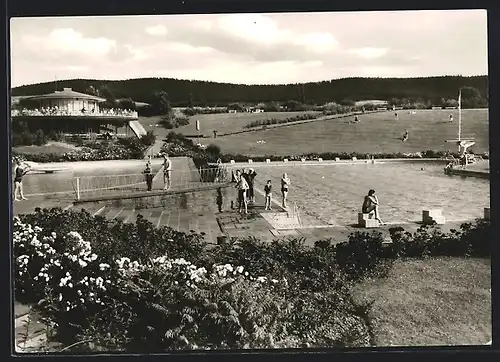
[71, 112]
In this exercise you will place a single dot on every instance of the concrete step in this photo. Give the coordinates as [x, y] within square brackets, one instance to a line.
[92, 208]
[124, 215]
[112, 212]
[100, 211]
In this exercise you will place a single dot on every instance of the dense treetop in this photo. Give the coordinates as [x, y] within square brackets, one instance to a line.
[200, 93]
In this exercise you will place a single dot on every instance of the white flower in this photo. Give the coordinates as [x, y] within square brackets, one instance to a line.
[104, 266]
[239, 269]
[60, 297]
[82, 263]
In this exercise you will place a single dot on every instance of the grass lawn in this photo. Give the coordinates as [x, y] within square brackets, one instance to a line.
[377, 132]
[56, 148]
[438, 301]
[222, 122]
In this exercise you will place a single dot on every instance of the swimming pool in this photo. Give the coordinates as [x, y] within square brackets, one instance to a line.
[333, 194]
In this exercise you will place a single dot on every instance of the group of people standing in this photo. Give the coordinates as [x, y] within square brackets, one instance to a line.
[245, 181]
[167, 173]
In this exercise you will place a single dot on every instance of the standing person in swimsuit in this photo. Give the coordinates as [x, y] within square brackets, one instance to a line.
[19, 172]
[250, 180]
[371, 204]
[268, 189]
[167, 172]
[285, 183]
[149, 176]
[242, 186]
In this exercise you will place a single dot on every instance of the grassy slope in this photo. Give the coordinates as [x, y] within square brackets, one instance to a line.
[223, 123]
[55, 147]
[375, 133]
[439, 301]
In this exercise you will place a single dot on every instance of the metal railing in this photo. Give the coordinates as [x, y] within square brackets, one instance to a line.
[111, 185]
[66, 113]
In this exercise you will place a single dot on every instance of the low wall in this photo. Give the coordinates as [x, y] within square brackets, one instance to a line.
[195, 200]
[333, 162]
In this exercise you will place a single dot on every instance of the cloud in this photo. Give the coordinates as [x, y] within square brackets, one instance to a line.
[250, 48]
[369, 52]
[67, 40]
[255, 37]
[156, 30]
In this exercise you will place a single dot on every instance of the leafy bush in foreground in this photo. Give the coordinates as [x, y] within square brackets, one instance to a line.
[158, 289]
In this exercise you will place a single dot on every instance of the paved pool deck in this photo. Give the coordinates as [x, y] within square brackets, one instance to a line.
[259, 223]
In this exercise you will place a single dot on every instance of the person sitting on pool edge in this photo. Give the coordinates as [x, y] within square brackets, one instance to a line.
[371, 204]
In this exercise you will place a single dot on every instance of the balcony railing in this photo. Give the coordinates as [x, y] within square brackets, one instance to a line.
[66, 113]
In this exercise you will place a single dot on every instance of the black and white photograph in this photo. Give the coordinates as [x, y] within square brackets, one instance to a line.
[250, 181]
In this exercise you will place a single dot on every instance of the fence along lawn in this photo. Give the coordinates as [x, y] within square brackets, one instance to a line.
[378, 132]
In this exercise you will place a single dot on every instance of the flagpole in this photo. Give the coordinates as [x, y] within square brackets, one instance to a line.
[459, 117]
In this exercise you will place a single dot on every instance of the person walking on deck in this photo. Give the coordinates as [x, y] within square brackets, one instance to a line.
[19, 172]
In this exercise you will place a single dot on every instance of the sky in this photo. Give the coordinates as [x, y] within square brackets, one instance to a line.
[250, 48]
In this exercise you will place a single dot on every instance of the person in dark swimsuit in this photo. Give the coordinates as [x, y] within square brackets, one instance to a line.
[149, 176]
[250, 179]
[370, 204]
[268, 190]
[19, 172]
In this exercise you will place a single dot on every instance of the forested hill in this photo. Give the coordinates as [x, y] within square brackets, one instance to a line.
[185, 92]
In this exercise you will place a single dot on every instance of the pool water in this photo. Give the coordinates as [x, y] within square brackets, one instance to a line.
[333, 194]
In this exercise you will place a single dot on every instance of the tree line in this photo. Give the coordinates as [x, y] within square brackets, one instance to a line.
[185, 93]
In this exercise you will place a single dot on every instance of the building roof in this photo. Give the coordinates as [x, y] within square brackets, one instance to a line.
[67, 93]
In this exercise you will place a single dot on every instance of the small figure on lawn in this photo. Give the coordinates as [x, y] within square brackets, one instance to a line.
[285, 184]
[405, 136]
